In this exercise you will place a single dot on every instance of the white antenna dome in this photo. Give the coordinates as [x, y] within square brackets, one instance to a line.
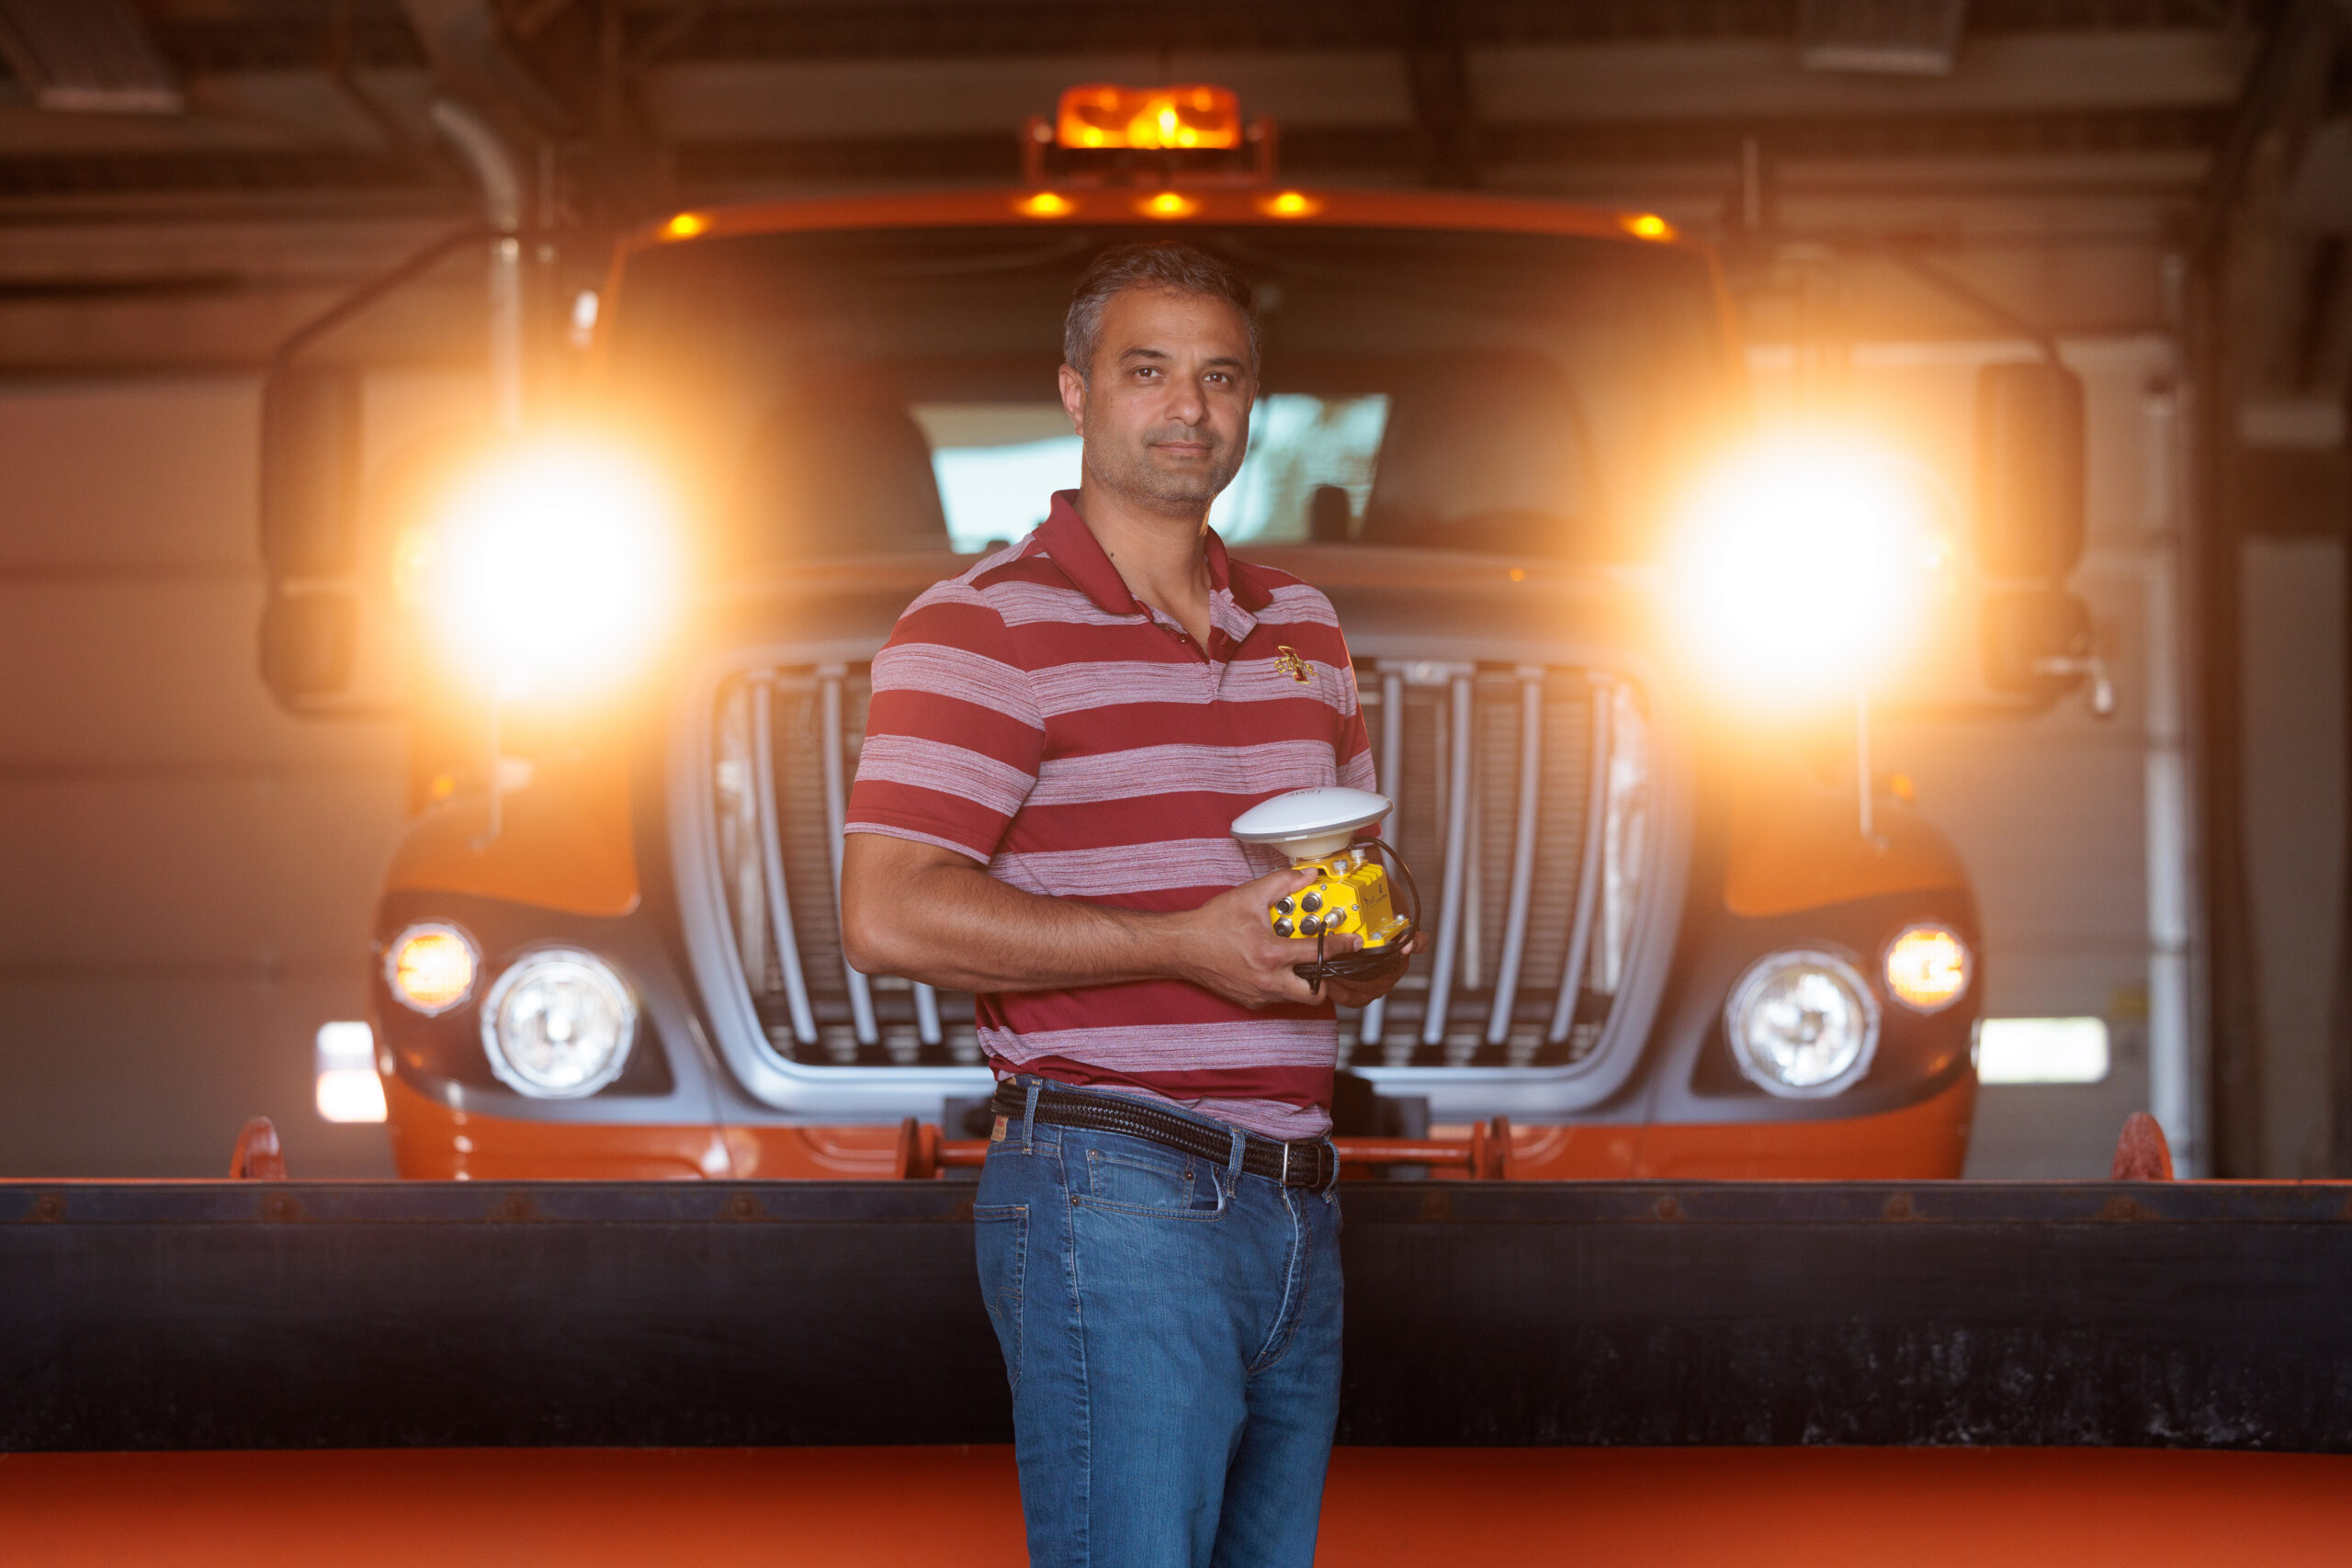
[1307, 823]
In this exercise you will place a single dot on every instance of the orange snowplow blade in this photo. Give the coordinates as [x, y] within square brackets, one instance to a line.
[926, 1506]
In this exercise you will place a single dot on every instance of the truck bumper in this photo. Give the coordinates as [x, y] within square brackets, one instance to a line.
[1922, 1142]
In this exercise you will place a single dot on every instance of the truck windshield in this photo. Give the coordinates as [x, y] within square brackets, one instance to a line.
[853, 392]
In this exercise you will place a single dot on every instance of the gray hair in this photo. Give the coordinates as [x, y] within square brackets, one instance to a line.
[1150, 264]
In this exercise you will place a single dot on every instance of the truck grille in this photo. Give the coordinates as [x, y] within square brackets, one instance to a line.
[1524, 797]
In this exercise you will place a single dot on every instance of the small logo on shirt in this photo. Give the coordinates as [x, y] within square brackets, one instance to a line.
[1287, 661]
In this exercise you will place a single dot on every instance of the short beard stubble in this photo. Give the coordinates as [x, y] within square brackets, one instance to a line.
[1132, 473]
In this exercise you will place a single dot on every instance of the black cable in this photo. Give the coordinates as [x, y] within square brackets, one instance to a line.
[1368, 964]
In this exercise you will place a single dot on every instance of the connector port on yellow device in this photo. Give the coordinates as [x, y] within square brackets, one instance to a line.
[1349, 896]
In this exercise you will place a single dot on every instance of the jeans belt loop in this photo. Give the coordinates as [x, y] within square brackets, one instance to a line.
[1233, 1165]
[1029, 1116]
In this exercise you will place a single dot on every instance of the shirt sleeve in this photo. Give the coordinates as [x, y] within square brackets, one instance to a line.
[953, 737]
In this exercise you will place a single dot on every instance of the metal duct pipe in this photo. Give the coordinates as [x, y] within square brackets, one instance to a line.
[501, 191]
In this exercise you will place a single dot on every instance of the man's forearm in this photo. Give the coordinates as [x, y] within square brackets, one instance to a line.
[931, 914]
[957, 928]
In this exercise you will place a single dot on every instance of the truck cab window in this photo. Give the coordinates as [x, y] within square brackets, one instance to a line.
[1503, 393]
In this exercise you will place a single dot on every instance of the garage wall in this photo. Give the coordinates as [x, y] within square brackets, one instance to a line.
[186, 873]
[2291, 594]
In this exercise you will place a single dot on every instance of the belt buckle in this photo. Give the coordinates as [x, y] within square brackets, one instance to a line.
[1283, 1180]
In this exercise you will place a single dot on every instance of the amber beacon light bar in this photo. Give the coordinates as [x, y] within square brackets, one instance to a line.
[1103, 132]
[1194, 116]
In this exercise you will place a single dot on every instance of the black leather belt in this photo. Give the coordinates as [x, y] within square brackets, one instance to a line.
[1309, 1162]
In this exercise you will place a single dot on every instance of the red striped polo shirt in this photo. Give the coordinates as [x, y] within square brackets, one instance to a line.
[1033, 715]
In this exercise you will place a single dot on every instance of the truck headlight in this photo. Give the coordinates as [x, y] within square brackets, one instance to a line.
[1803, 1024]
[1799, 569]
[1928, 968]
[552, 567]
[430, 968]
[558, 1024]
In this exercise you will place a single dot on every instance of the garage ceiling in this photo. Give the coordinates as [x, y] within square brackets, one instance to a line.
[259, 155]
[323, 99]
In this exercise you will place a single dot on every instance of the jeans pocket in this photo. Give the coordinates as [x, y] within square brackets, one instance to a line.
[1150, 1182]
[1001, 1244]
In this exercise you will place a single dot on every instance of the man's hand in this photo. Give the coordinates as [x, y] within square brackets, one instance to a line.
[1229, 947]
[1364, 993]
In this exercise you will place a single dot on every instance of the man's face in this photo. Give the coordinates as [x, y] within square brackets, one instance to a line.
[1164, 410]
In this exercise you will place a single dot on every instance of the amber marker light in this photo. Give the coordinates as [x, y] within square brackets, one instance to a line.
[1046, 204]
[431, 967]
[1646, 226]
[1928, 968]
[686, 226]
[1167, 204]
[1291, 203]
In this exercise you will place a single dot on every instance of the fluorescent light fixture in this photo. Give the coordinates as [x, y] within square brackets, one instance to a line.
[344, 1059]
[1898, 37]
[2042, 1050]
[87, 57]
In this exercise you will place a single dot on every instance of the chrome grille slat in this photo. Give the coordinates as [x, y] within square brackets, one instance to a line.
[1474, 864]
[1522, 852]
[1623, 850]
[1572, 970]
[1503, 779]
[1457, 735]
[779, 903]
[1389, 773]
[926, 1014]
[828, 687]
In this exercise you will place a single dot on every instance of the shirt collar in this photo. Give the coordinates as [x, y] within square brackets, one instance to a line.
[1074, 549]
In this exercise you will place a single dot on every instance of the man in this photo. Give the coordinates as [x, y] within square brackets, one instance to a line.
[1059, 741]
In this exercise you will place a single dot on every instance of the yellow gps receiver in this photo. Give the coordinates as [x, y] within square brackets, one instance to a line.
[1350, 894]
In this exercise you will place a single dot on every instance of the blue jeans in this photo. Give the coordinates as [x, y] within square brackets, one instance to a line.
[1172, 1332]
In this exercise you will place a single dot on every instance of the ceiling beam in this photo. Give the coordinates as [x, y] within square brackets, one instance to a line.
[832, 30]
[705, 167]
[1437, 71]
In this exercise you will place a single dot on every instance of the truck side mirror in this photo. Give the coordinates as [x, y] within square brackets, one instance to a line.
[310, 533]
[310, 644]
[2037, 643]
[309, 472]
[2029, 468]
